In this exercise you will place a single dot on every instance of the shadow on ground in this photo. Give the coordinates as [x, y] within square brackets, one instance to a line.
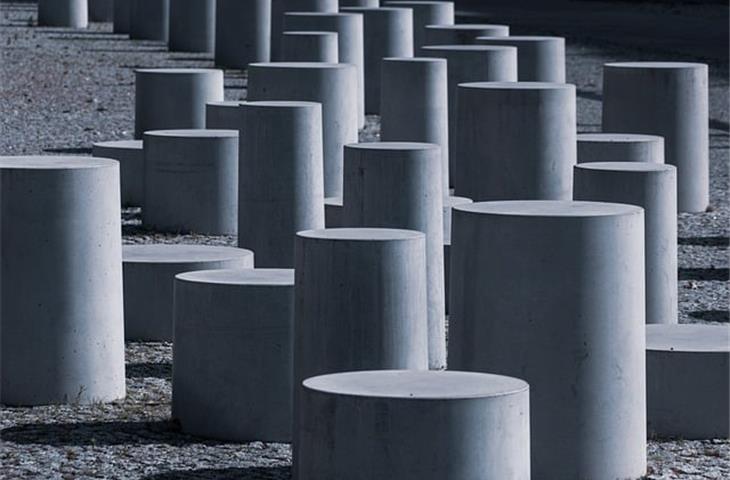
[149, 370]
[718, 316]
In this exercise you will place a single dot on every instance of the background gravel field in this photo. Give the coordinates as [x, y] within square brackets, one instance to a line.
[61, 90]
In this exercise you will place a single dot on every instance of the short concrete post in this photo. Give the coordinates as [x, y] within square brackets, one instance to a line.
[539, 59]
[149, 274]
[653, 187]
[414, 104]
[554, 291]
[61, 281]
[281, 183]
[150, 20]
[279, 8]
[191, 181]
[63, 13]
[332, 85]
[390, 34]
[223, 115]
[122, 13]
[130, 156]
[192, 25]
[242, 33]
[174, 98]
[620, 147]
[310, 47]
[398, 185]
[232, 355]
[426, 13]
[414, 425]
[333, 212]
[463, 34]
[449, 203]
[515, 140]
[669, 100]
[101, 10]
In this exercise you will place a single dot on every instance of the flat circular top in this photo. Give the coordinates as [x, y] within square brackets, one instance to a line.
[242, 276]
[659, 65]
[549, 208]
[392, 146]
[467, 26]
[224, 103]
[362, 234]
[618, 137]
[688, 338]
[193, 133]
[121, 144]
[626, 166]
[314, 33]
[517, 86]
[416, 384]
[54, 162]
[467, 48]
[281, 104]
[303, 65]
[177, 71]
[522, 38]
[372, 9]
[167, 253]
[319, 14]
[335, 201]
[451, 201]
[414, 59]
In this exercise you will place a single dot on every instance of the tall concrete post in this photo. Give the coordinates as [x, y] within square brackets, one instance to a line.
[101, 10]
[242, 33]
[463, 34]
[669, 100]
[279, 8]
[620, 147]
[539, 59]
[150, 20]
[309, 47]
[130, 156]
[192, 25]
[122, 13]
[63, 13]
[426, 13]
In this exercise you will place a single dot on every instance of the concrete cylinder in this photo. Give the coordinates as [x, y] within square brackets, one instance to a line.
[359, 3]
[654, 188]
[232, 360]
[669, 100]
[191, 181]
[515, 140]
[223, 115]
[471, 63]
[414, 105]
[279, 8]
[414, 425]
[309, 47]
[332, 85]
[61, 281]
[463, 34]
[150, 20]
[390, 34]
[539, 59]
[687, 381]
[63, 13]
[122, 12]
[130, 156]
[398, 185]
[192, 25]
[281, 183]
[242, 33]
[620, 147]
[449, 203]
[174, 98]
[426, 13]
[149, 274]
[554, 291]
[101, 10]
[333, 212]
[350, 42]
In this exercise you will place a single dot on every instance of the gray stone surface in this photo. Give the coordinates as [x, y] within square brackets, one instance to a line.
[192, 25]
[463, 34]
[130, 156]
[426, 13]
[63, 13]
[309, 47]
[150, 20]
[242, 32]
[620, 147]
[539, 58]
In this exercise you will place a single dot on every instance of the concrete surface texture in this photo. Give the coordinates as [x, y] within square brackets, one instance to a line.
[100, 10]
[359, 3]
[242, 32]
[426, 13]
[130, 156]
[150, 20]
[539, 58]
[309, 47]
[280, 7]
[223, 115]
[121, 15]
[620, 147]
[333, 212]
[463, 34]
[449, 203]
[63, 13]
[192, 25]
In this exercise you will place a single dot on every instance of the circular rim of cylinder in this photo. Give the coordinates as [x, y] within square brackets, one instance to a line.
[361, 234]
[637, 167]
[467, 27]
[53, 162]
[548, 208]
[192, 133]
[688, 338]
[656, 65]
[597, 137]
[170, 253]
[260, 277]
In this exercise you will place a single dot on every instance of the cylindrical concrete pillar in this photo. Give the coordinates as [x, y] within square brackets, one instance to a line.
[281, 7]
[60, 281]
[174, 98]
[101, 10]
[333, 212]
[149, 20]
[191, 181]
[359, 3]
[192, 25]
[333, 85]
[281, 183]
[390, 34]
[63, 13]
[653, 187]
[242, 32]
[350, 42]
[449, 203]
[414, 425]
[553, 291]
[515, 140]
[471, 63]
[149, 273]
[130, 156]
[414, 105]
[463, 34]
[309, 47]
[223, 115]
[426, 13]
[122, 13]
[620, 147]
[670, 100]
[232, 360]
[398, 185]
[539, 59]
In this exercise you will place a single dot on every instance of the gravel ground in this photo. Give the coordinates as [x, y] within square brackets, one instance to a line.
[62, 90]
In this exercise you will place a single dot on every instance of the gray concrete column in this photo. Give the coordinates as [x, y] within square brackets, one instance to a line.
[223, 115]
[60, 281]
[63, 13]
[122, 12]
[191, 181]
[150, 20]
[232, 360]
[281, 180]
[515, 141]
[471, 63]
[620, 147]
[309, 47]
[390, 34]
[333, 212]
[332, 85]
[174, 98]
[539, 59]
[130, 156]
[242, 33]
[553, 291]
[426, 13]
[281, 7]
[669, 100]
[398, 185]
[463, 34]
[414, 425]
[359, 3]
[414, 105]
[101, 10]
[449, 203]
[149, 273]
[192, 25]
[654, 188]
